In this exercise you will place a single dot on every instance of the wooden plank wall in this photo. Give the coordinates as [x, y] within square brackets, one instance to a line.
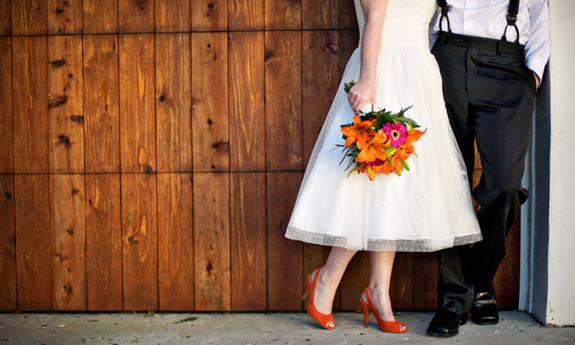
[151, 152]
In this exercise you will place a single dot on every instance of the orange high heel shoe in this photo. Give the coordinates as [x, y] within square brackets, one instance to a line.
[386, 326]
[324, 320]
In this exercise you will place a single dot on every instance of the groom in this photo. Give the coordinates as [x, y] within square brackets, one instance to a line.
[491, 54]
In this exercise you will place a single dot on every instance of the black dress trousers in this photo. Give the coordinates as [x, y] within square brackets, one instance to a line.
[490, 97]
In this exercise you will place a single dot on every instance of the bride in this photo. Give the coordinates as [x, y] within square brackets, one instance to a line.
[425, 209]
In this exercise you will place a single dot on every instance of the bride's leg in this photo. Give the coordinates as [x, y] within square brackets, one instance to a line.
[379, 282]
[329, 277]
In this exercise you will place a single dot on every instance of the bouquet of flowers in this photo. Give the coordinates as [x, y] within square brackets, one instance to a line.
[378, 141]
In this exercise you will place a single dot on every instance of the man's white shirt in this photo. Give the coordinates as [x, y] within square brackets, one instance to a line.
[487, 18]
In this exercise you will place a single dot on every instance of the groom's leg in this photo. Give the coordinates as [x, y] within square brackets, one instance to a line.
[501, 95]
[454, 292]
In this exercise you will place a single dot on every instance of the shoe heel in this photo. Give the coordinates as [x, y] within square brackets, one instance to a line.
[365, 312]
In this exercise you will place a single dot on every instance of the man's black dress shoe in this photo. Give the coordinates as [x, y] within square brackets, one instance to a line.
[484, 309]
[446, 323]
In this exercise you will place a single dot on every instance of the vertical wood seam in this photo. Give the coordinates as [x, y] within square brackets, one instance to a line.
[121, 213]
[228, 37]
[265, 208]
[46, 69]
[156, 173]
[13, 164]
[304, 280]
[192, 167]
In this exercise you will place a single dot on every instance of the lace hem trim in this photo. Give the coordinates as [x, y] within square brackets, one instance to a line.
[399, 245]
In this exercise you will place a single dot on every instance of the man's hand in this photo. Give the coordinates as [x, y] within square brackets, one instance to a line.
[537, 80]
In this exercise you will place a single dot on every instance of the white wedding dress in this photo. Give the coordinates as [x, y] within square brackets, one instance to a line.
[425, 209]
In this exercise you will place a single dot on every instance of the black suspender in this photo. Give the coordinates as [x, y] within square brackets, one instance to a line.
[511, 17]
[444, 9]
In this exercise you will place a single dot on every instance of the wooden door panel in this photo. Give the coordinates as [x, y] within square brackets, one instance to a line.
[151, 154]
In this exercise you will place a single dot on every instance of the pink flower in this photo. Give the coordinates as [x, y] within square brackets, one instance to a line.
[396, 132]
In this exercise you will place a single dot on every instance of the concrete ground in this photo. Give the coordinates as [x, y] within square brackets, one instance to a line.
[258, 328]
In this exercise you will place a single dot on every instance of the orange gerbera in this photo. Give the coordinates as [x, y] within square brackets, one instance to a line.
[358, 132]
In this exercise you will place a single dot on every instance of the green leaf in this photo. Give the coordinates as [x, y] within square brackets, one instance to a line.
[352, 170]
[405, 165]
[347, 86]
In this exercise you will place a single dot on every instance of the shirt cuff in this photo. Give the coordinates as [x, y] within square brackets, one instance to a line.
[537, 66]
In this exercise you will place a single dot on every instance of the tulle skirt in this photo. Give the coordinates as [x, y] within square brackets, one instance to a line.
[425, 209]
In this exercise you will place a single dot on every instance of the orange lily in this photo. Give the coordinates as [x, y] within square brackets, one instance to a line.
[414, 135]
[397, 165]
[371, 172]
[385, 168]
[373, 149]
[358, 132]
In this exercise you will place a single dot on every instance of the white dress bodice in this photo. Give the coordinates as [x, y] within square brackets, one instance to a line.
[406, 22]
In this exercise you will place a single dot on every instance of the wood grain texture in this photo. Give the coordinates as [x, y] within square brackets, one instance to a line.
[209, 15]
[191, 123]
[33, 268]
[210, 136]
[30, 104]
[173, 102]
[65, 104]
[6, 17]
[348, 41]
[173, 15]
[321, 76]
[64, 16]
[247, 109]
[425, 278]
[402, 277]
[139, 241]
[175, 241]
[100, 16]
[506, 280]
[103, 242]
[29, 17]
[101, 103]
[283, 93]
[136, 15]
[282, 14]
[212, 241]
[248, 241]
[347, 18]
[137, 106]
[285, 256]
[320, 14]
[6, 115]
[68, 237]
[245, 14]
[7, 244]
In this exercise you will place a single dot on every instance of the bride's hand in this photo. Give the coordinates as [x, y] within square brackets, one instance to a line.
[360, 94]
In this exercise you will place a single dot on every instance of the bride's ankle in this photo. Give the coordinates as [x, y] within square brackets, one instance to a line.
[327, 278]
[376, 288]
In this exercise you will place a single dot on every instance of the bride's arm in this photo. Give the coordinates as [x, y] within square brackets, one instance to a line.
[364, 91]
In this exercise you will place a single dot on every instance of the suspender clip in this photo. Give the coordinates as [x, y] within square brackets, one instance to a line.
[511, 18]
